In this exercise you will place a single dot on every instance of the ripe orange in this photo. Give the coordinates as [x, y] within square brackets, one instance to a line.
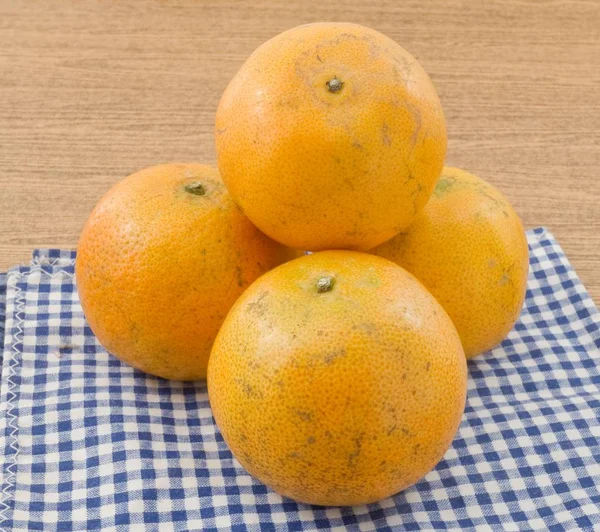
[161, 260]
[469, 249]
[337, 379]
[330, 136]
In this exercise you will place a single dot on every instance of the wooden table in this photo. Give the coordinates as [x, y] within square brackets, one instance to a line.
[91, 91]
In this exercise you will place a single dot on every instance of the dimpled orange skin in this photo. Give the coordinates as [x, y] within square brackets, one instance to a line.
[468, 247]
[317, 169]
[158, 267]
[339, 397]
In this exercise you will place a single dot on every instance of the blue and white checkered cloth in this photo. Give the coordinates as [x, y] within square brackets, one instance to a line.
[2, 309]
[88, 443]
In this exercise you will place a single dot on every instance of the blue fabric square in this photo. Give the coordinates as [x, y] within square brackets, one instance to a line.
[99, 445]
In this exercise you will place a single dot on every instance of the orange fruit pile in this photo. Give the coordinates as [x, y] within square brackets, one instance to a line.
[337, 377]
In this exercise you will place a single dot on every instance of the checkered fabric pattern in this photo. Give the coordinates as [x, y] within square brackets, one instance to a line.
[2, 310]
[88, 443]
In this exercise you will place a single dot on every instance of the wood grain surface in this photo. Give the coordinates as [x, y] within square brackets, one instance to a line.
[93, 90]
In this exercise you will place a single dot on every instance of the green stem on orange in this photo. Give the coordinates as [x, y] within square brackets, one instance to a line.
[196, 188]
[325, 284]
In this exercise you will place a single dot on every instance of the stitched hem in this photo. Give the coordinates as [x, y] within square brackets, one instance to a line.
[11, 431]
[12, 382]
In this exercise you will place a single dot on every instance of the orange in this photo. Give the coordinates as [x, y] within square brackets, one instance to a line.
[337, 379]
[469, 249]
[330, 136]
[161, 260]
